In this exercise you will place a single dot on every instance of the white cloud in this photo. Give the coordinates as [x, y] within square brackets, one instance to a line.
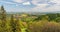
[55, 1]
[35, 2]
[52, 8]
[8, 2]
[45, 1]
[39, 7]
[18, 1]
[26, 3]
[42, 6]
[44, 9]
[11, 3]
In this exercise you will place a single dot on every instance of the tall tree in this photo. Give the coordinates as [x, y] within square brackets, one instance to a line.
[15, 25]
[3, 14]
[3, 20]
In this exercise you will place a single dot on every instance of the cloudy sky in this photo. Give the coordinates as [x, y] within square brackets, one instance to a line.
[31, 5]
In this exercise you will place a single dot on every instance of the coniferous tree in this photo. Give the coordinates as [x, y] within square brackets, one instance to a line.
[3, 14]
[3, 20]
[15, 26]
[12, 25]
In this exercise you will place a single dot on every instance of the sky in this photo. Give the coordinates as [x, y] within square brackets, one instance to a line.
[31, 5]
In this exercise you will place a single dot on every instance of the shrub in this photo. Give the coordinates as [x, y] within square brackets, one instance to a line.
[57, 19]
[44, 27]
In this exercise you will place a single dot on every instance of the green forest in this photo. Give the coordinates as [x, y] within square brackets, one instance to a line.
[29, 23]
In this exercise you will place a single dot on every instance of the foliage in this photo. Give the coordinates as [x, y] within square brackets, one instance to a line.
[29, 23]
[57, 19]
[44, 27]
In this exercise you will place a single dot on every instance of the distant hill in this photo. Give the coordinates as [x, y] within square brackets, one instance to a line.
[35, 13]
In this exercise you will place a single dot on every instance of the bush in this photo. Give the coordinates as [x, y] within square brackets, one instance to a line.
[44, 27]
[57, 19]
